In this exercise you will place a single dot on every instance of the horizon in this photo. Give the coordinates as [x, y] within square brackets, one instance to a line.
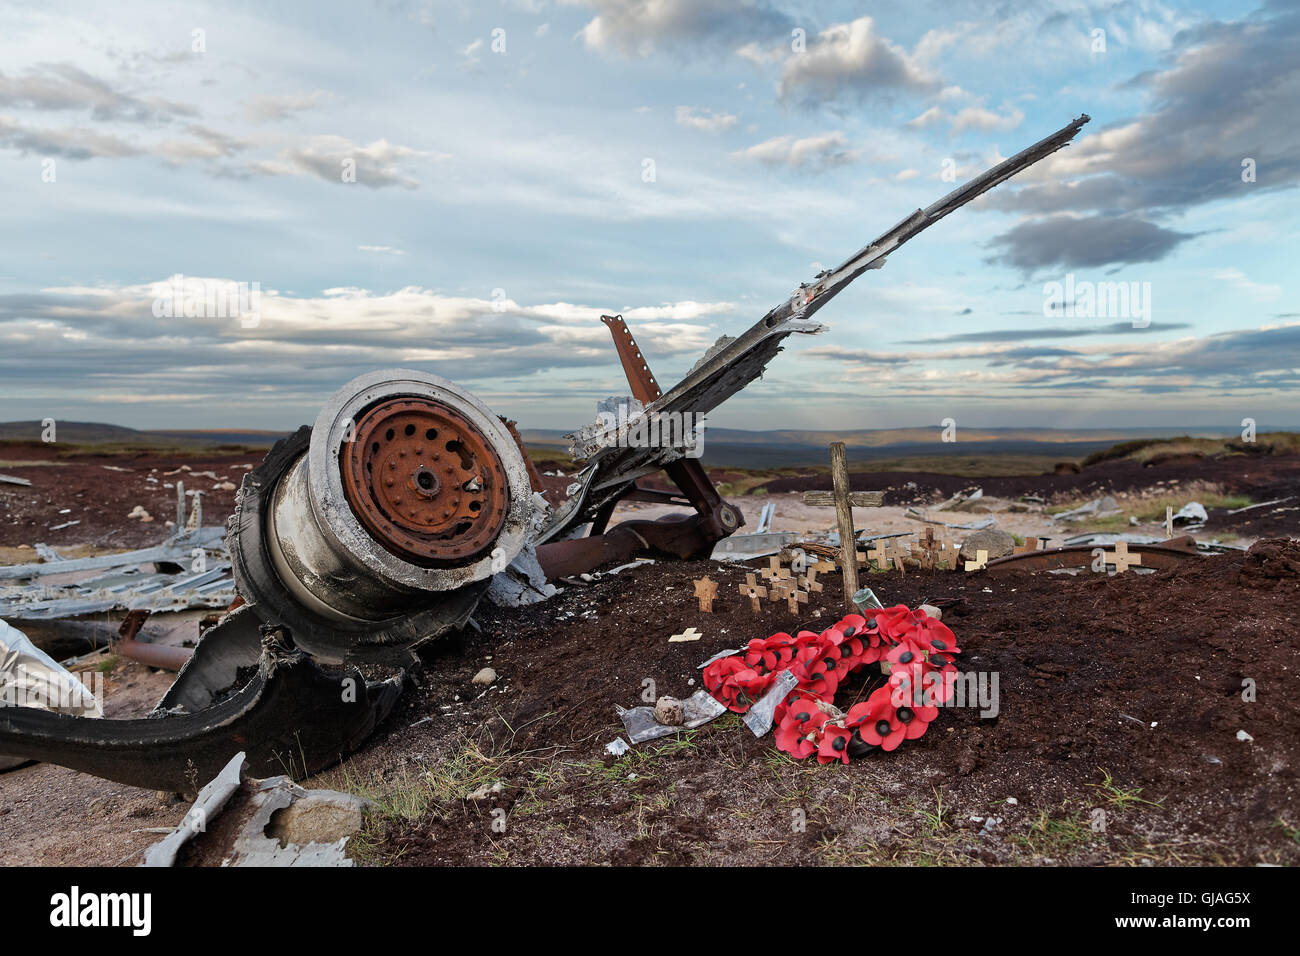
[519, 168]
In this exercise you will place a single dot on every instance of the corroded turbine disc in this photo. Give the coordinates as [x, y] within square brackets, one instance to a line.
[425, 482]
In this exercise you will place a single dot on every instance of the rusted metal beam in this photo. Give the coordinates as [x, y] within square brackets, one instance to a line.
[644, 387]
[1168, 554]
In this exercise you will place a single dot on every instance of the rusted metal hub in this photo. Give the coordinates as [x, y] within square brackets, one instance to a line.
[425, 482]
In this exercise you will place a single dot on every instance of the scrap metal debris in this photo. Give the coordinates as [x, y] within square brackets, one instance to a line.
[760, 716]
[697, 710]
[1097, 508]
[1191, 516]
[280, 823]
[290, 715]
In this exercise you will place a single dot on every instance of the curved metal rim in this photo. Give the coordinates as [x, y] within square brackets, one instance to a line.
[335, 515]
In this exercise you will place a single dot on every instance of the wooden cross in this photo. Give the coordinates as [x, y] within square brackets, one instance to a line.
[929, 546]
[755, 592]
[690, 634]
[706, 591]
[880, 555]
[795, 598]
[821, 567]
[777, 590]
[981, 559]
[1121, 558]
[810, 581]
[898, 553]
[774, 572]
[845, 501]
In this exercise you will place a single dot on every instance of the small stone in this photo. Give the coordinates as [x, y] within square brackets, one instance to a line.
[1012, 801]
[486, 677]
[932, 611]
[670, 712]
[1242, 735]
[485, 790]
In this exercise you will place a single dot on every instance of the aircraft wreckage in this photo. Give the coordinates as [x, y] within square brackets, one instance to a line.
[386, 522]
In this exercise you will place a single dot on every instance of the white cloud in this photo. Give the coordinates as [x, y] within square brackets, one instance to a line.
[379, 164]
[706, 119]
[268, 107]
[819, 152]
[641, 27]
[851, 59]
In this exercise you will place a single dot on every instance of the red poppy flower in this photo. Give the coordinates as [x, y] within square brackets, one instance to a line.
[733, 683]
[912, 695]
[935, 636]
[801, 718]
[879, 723]
[834, 744]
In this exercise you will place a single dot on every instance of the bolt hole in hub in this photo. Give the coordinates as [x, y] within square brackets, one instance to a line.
[424, 481]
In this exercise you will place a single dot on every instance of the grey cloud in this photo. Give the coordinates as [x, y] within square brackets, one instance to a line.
[1068, 242]
[1228, 92]
[68, 143]
[857, 356]
[1016, 335]
[61, 86]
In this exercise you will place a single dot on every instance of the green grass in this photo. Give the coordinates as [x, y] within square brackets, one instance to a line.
[1054, 836]
[1121, 797]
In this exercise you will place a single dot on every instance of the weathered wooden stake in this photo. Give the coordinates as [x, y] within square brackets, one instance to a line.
[844, 516]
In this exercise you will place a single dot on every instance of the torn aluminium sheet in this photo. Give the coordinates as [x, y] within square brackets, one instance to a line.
[640, 723]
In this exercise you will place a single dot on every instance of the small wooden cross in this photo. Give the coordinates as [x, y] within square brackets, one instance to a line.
[879, 555]
[810, 581]
[821, 567]
[777, 590]
[774, 571]
[929, 546]
[795, 598]
[706, 591]
[898, 553]
[1031, 544]
[981, 559]
[1121, 558]
[754, 591]
[690, 634]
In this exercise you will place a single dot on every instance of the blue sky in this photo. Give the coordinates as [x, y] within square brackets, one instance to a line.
[502, 202]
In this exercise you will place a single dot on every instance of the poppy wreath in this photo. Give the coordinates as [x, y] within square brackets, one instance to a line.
[914, 649]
